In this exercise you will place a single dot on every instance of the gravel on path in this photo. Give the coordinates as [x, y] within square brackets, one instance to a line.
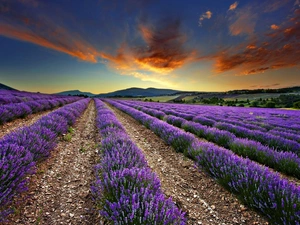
[21, 122]
[60, 191]
[202, 198]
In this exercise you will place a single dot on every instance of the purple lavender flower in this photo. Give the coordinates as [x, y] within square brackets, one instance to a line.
[15, 163]
[125, 190]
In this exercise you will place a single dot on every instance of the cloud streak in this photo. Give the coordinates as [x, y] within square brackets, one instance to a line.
[40, 30]
[243, 22]
[266, 86]
[279, 49]
[275, 5]
[61, 42]
[159, 50]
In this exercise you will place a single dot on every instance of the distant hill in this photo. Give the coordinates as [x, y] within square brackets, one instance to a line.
[4, 87]
[75, 92]
[277, 90]
[139, 92]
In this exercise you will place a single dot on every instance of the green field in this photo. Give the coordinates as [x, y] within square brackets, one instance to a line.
[242, 97]
[160, 98]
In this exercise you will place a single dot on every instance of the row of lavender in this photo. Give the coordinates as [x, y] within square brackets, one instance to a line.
[257, 186]
[272, 120]
[126, 191]
[279, 141]
[22, 149]
[252, 118]
[286, 162]
[267, 119]
[12, 96]
[13, 111]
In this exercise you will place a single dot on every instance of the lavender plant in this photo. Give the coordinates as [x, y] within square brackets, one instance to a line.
[286, 162]
[9, 112]
[15, 163]
[256, 185]
[125, 190]
[23, 148]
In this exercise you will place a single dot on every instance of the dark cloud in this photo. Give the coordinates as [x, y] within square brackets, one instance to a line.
[265, 86]
[164, 45]
[162, 49]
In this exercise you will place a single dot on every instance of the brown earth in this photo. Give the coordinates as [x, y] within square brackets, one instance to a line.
[204, 201]
[21, 122]
[60, 191]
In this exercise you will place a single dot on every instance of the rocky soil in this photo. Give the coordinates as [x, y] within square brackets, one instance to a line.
[21, 122]
[60, 192]
[204, 201]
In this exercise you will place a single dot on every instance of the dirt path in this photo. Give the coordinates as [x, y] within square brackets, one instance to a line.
[196, 193]
[60, 192]
[17, 123]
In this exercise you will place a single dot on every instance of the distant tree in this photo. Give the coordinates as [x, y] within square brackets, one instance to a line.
[206, 101]
[254, 103]
[270, 105]
[296, 105]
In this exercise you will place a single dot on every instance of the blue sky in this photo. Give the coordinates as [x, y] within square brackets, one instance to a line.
[101, 46]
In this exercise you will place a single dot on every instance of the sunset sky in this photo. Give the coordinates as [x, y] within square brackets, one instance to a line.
[107, 45]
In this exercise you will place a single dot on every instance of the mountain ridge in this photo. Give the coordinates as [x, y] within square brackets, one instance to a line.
[139, 92]
[5, 87]
[75, 92]
[152, 92]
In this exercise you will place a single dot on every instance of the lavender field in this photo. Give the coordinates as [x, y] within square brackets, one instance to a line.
[140, 112]
[250, 156]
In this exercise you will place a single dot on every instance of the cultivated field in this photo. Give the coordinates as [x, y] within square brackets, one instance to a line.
[68, 160]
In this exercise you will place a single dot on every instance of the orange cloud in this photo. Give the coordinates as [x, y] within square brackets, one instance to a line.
[251, 46]
[274, 27]
[61, 42]
[162, 53]
[206, 15]
[165, 47]
[233, 6]
[279, 49]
